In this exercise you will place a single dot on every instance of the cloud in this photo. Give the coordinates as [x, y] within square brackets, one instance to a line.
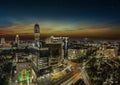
[58, 28]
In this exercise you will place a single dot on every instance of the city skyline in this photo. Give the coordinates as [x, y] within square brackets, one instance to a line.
[75, 19]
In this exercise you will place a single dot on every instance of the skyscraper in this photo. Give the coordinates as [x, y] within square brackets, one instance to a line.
[65, 47]
[58, 49]
[37, 35]
[36, 32]
[17, 39]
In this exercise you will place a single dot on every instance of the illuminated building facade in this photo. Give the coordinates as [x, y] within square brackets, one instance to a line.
[110, 52]
[57, 47]
[43, 58]
[40, 58]
[24, 72]
[2, 40]
[17, 39]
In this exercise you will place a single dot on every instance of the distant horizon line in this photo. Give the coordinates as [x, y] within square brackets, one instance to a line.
[30, 36]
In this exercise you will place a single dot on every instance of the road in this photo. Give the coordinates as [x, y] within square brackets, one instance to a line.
[71, 77]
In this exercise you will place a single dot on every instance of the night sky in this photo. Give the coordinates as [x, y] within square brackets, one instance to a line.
[73, 18]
